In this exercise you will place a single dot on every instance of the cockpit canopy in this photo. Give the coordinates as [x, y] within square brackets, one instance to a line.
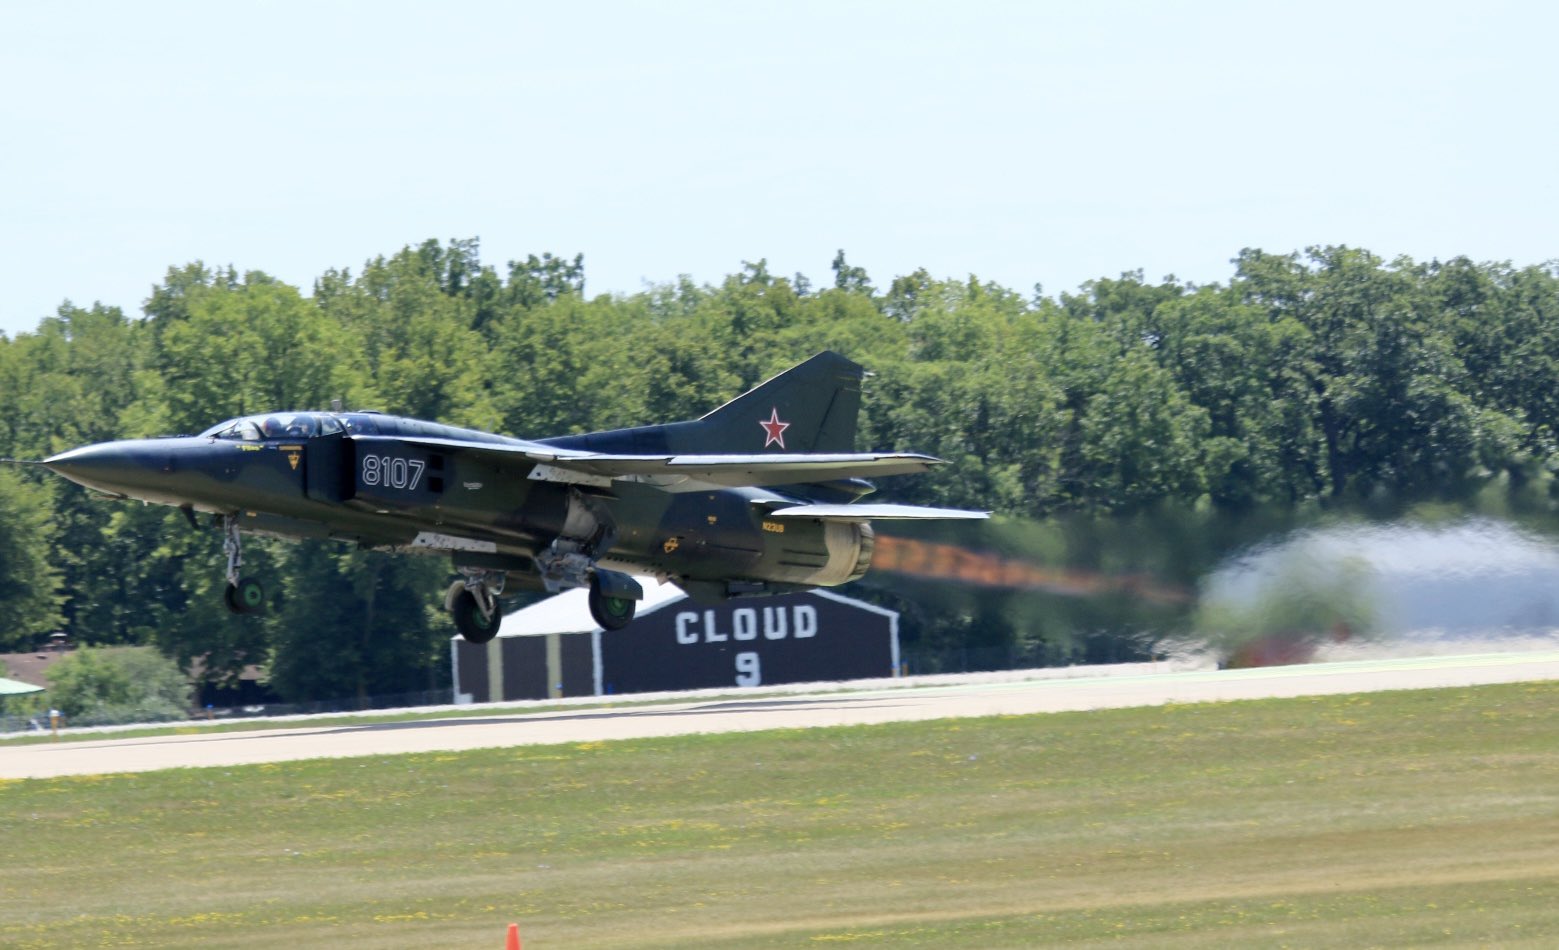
[297, 426]
[291, 425]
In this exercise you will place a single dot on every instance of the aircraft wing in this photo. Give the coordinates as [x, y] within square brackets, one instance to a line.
[750, 470]
[874, 512]
[681, 473]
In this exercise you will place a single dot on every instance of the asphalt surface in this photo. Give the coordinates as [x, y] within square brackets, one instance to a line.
[759, 709]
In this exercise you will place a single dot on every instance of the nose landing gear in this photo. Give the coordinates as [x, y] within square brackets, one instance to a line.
[244, 595]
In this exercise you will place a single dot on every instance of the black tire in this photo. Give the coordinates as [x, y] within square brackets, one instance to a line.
[246, 597]
[612, 613]
[470, 622]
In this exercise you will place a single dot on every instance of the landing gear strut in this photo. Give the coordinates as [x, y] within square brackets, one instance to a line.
[244, 595]
[474, 602]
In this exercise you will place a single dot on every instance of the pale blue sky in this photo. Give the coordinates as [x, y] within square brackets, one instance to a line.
[1024, 142]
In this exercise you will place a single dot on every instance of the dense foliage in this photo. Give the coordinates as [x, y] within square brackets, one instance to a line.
[100, 687]
[1310, 377]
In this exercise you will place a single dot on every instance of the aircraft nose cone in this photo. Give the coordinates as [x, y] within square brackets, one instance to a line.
[108, 466]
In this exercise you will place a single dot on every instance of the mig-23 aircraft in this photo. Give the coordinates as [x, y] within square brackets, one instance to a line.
[760, 496]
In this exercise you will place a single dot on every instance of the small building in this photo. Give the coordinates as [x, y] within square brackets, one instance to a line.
[554, 648]
[34, 666]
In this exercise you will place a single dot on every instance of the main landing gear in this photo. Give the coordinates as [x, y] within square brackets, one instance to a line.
[474, 602]
[613, 596]
[612, 613]
[244, 595]
[570, 562]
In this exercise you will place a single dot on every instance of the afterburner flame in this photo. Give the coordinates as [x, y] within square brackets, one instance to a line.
[941, 561]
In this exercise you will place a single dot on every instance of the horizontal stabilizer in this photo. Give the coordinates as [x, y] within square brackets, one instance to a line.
[874, 513]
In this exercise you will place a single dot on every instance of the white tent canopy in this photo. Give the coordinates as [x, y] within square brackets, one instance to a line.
[17, 688]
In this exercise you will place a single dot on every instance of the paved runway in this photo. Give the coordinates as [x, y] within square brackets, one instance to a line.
[760, 709]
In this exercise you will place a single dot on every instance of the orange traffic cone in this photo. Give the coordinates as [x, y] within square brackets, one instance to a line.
[513, 943]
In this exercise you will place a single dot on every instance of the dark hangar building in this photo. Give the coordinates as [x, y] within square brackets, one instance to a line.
[553, 648]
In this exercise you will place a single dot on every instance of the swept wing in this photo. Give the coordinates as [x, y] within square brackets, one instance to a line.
[679, 473]
[873, 512]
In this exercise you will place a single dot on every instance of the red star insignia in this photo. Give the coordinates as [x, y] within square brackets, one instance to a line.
[774, 429]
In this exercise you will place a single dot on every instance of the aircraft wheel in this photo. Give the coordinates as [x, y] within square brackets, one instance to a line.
[245, 597]
[612, 613]
[470, 622]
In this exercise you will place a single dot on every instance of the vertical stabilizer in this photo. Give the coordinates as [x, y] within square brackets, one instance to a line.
[811, 407]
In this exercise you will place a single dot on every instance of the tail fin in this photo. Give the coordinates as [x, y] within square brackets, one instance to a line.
[811, 407]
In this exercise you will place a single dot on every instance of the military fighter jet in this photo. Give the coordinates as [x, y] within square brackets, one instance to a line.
[760, 496]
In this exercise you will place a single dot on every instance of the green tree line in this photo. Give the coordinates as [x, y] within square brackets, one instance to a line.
[1321, 376]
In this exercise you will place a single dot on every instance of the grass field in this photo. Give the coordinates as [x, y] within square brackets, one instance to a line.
[1391, 819]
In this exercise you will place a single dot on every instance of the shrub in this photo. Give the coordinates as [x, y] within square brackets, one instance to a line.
[106, 687]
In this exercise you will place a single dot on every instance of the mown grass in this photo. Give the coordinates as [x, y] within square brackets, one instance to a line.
[1425, 818]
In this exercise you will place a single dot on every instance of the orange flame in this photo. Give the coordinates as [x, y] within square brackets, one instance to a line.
[951, 562]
